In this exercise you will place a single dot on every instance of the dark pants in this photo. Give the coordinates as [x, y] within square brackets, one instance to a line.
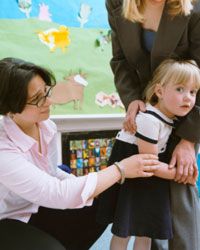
[16, 235]
[185, 209]
[75, 228]
[159, 245]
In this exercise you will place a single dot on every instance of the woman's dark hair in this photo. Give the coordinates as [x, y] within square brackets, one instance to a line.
[15, 75]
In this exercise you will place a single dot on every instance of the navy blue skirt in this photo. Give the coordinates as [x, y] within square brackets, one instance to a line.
[139, 207]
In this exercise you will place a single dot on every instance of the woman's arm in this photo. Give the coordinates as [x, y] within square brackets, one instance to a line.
[189, 130]
[163, 171]
[142, 165]
[35, 185]
[125, 78]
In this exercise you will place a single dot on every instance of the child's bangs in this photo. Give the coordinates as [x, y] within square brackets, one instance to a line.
[184, 73]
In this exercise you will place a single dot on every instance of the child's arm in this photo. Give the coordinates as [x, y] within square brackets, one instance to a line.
[163, 171]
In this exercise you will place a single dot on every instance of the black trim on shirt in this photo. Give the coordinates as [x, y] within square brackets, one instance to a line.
[159, 117]
[145, 138]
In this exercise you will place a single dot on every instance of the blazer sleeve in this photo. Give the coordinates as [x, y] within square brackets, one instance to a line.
[189, 127]
[126, 80]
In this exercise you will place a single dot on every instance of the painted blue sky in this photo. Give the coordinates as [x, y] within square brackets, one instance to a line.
[62, 11]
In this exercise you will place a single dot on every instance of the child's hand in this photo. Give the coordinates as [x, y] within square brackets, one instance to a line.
[164, 171]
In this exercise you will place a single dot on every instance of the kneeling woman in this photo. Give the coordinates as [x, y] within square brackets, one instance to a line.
[29, 177]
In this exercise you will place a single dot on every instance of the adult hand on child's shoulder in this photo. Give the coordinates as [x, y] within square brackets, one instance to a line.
[133, 108]
[184, 159]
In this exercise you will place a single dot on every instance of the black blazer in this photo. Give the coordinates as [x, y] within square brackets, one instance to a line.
[133, 67]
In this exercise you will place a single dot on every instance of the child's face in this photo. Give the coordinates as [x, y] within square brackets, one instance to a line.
[32, 113]
[176, 100]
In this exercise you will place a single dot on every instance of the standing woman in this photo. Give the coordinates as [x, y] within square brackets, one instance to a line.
[144, 33]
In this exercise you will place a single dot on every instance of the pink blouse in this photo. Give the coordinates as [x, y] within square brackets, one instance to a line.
[29, 179]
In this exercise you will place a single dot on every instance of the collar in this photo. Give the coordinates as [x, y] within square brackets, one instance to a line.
[22, 140]
[157, 113]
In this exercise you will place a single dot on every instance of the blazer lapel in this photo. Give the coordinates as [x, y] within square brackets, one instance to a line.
[129, 34]
[168, 36]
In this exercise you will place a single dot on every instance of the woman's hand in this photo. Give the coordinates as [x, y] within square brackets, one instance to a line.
[184, 159]
[193, 180]
[133, 108]
[140, 165]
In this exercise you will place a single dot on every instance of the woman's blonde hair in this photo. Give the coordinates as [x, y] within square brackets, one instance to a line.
[133, 9]
[172, 71]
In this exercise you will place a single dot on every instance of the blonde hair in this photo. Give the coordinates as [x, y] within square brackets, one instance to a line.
[172, 71]
[133, 9]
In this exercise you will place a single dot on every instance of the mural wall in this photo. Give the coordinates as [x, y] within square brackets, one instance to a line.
[72, 38]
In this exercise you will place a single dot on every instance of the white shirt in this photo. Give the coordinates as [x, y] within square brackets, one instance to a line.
[152, 126]
[29, 179]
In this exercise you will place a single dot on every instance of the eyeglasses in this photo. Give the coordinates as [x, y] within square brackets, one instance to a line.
[41, 101]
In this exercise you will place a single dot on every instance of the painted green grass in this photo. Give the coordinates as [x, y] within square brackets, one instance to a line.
[19, 39]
